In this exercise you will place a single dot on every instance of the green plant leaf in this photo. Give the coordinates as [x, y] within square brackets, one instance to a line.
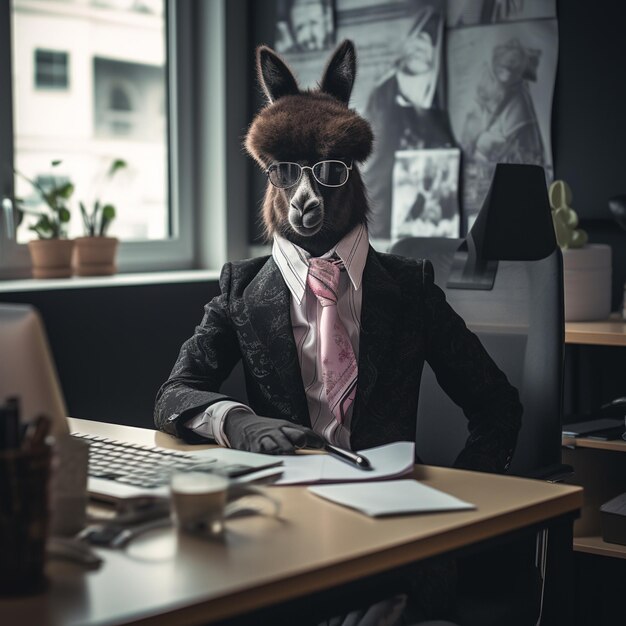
[86, 220]
[41, 234]
[51, 200]
[34, 185]
[117, 164]
[64, 215]
[108, 212]
[44, 227]
[56, 162]
[65, 191]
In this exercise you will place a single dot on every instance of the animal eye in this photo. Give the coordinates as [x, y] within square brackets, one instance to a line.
[331, 173]
[284, 174]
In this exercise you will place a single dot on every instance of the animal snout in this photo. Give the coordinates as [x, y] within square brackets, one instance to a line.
[306, 214]
[305, 205]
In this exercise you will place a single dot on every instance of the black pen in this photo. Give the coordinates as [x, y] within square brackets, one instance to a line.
[349, 457]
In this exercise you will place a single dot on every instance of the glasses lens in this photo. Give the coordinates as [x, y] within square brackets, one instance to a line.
[284, 174]
[331, 173]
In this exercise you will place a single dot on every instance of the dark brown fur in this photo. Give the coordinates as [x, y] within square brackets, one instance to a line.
[307, 127]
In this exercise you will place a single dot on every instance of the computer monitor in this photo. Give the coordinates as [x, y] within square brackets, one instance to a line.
[27, 370]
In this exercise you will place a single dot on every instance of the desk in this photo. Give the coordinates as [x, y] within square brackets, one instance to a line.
[611, 332]
[316, 546]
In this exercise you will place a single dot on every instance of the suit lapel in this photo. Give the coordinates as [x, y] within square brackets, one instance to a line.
[267, 304]
[379, 316]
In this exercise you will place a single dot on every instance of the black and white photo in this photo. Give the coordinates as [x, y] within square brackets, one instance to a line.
[406, 109]
[304, 25]
[500, 88]
[474, 12]
[425, 193]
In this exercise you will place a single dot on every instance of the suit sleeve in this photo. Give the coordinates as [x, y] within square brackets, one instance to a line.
[204, 362]
[473, 381]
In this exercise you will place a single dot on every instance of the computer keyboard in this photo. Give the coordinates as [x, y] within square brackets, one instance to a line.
[147, 467]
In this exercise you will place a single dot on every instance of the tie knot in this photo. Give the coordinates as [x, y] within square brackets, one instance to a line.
[323, 279]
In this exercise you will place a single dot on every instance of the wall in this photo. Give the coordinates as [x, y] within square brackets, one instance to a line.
[589, 142]
[589, 119]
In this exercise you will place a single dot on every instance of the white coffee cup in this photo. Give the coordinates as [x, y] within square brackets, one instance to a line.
[198, 501]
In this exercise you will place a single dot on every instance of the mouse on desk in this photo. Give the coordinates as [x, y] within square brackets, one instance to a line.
[73, 550]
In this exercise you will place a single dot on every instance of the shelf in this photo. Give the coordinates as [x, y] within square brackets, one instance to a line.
[117, 280]
[611, 332]
[615, 445]
[595, 545]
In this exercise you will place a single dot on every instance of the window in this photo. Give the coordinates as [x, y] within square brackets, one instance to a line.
[51, 69]
[121, 102]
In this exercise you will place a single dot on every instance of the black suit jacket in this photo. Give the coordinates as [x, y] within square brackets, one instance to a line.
[405, 320]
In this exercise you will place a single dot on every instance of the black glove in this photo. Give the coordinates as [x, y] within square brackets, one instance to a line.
[247, 431]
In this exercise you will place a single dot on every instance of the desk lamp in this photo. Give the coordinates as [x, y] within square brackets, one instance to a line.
[514, 224]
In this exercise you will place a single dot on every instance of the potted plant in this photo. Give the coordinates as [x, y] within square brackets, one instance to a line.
[586, 267]
[94, 254]
[51, 253]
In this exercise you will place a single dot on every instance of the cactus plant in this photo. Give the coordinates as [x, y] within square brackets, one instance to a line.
[564, 217]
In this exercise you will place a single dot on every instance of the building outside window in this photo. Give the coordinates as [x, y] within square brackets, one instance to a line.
[51, 69]
[111, 110]
[94, 81]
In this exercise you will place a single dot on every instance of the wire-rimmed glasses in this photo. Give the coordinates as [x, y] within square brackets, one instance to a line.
[331, 173]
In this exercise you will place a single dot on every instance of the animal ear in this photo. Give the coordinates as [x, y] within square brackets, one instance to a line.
[274, 75]
[340, 72]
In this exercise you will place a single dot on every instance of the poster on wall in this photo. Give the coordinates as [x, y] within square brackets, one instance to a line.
[399, 87]
[461, 13]
[406, 108]
[304, 26]
[492, 97]
[500, 88]
[425, 193]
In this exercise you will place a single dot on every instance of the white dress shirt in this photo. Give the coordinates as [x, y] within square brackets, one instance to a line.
[292, 261]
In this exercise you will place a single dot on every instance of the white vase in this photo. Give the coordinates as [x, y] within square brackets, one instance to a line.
[587, 283]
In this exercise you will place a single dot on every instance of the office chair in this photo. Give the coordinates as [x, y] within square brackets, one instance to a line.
[506, 281]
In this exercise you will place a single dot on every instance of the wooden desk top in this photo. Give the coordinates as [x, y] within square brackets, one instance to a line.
[616, 445]
[611, 332]
[168, 579]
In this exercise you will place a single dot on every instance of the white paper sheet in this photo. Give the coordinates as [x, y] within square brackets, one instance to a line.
[391, 497]
[393, 459]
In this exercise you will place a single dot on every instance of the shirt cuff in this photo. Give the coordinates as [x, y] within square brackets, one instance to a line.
[210, 423]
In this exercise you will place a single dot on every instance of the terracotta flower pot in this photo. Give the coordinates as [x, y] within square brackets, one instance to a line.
[51, 258]
[95, 256]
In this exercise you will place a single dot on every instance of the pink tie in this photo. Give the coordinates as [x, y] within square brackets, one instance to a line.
[339, 368]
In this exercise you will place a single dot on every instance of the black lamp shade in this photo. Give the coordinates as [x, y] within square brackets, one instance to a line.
[515, 221]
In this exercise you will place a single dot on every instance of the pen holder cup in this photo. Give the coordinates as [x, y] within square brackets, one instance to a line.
[24, 477]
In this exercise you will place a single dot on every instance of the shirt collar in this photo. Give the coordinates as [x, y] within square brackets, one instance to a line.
[293, 261]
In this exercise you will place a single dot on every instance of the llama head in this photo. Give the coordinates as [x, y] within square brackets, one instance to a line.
[305, 128]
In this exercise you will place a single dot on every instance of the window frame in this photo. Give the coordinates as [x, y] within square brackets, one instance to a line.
[51, 74]
[179, 251]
